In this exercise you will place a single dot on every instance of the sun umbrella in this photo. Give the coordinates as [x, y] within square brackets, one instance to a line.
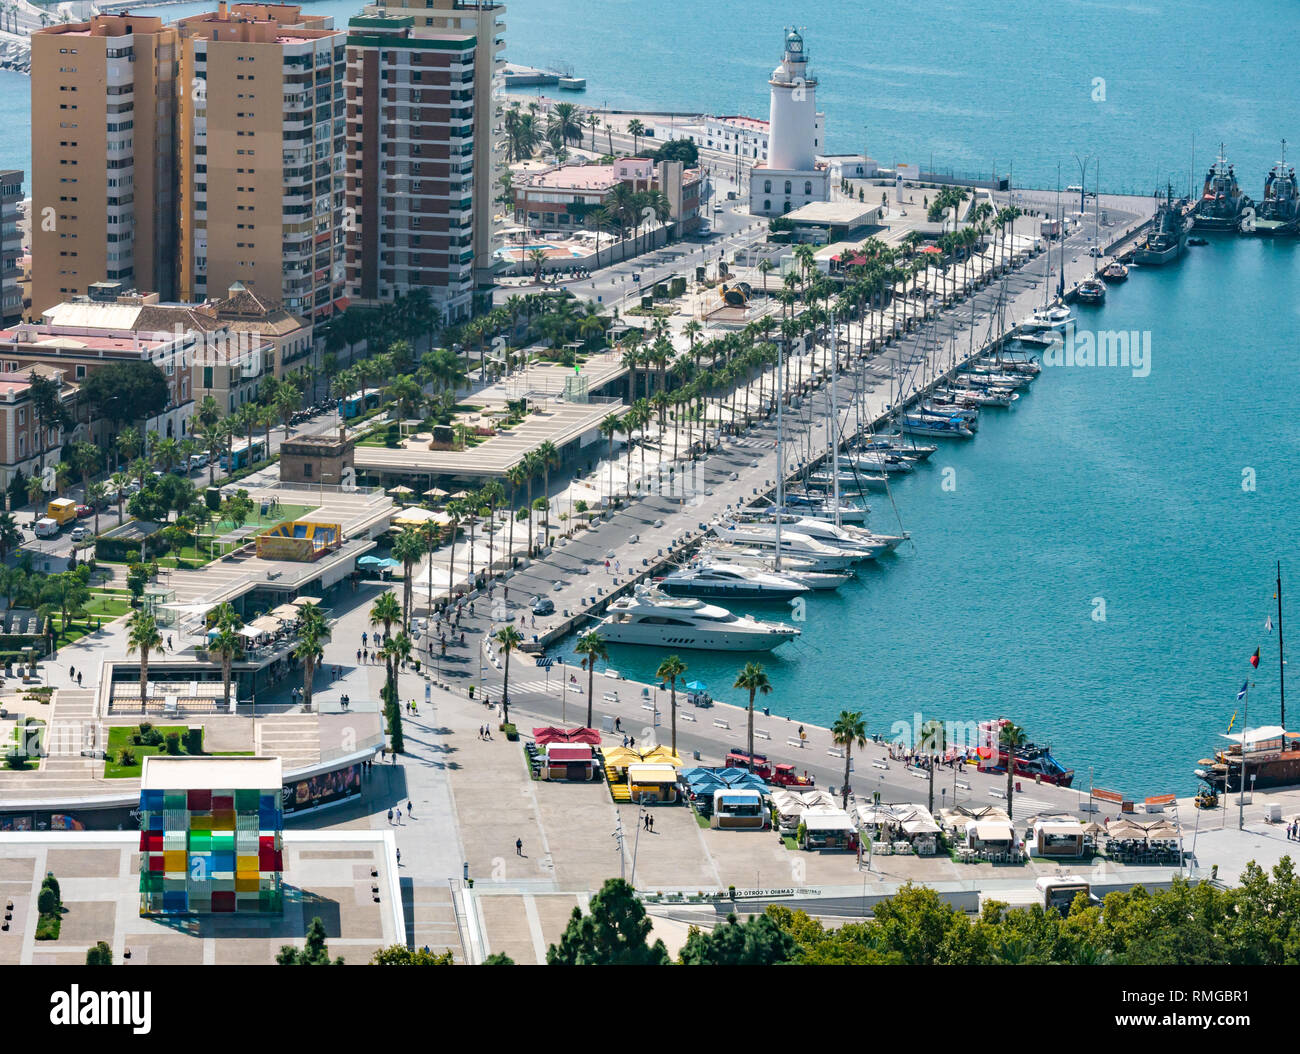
[696, 686]
[435, 492]
[400, 489]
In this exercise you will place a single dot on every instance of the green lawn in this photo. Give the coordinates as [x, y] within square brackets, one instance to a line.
[109, 605]
[282, 514]
[119, 738]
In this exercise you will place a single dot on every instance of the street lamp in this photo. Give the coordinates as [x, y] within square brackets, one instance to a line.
[1083, 176]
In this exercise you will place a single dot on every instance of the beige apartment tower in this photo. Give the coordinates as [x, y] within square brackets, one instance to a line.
[485, 21]
[104, 179]
[261, 137]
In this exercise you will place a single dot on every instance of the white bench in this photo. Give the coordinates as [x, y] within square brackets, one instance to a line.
[835, 752]
[920, 775]
[686, 715]
[760, 734]
[996, 794]
[794, 743]
[719, 723]
[880, 764]
[610, 697]
[647, 706]
[962, 785]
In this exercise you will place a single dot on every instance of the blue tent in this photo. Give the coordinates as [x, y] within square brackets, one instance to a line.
[376, 561]
[697, 686]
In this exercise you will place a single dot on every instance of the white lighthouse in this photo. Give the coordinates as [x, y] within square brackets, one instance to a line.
[793, 117]
[790, 177]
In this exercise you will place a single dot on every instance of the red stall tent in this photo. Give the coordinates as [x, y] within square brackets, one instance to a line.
[569, 761]
[551, 734]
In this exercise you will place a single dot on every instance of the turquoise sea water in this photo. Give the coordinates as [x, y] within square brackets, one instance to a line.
[1097, 484]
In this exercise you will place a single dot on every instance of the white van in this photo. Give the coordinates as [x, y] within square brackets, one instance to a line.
[46, 528]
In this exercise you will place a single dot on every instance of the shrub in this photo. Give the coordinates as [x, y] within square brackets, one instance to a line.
[173, 743]
[16, 760]
[99, 955]
[119, 549]
[194, 741]
[212, 498]
[47, 903]
[50, 882]
[801, 833]
[126, 757]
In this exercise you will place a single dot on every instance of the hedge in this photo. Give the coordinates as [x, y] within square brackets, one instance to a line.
[123, 550]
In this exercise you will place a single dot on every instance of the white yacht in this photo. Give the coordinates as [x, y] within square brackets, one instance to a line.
[791, 566]
[762, 536]
[868, 543]
[680, 622]
[706, 579]
[1050, 317]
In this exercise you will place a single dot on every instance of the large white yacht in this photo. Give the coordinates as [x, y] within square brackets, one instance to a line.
[791, 566]
[708, 579]
[820, 557]
[660, 621]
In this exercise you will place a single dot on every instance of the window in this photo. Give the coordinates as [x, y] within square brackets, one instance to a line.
[807, 188]
[767, 205]
[306, 469]
[787, 186]
[767, 186]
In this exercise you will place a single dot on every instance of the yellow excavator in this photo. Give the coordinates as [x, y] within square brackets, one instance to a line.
[736, 295]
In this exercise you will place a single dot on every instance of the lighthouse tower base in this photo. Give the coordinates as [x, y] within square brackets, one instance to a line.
[774, 192]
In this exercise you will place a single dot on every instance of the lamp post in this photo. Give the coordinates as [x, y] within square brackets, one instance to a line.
[1083, 176]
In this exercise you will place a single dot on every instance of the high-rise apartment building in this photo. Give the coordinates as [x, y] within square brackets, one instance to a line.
[411, 151]
[11, 245]
[261, 139]
[103, 156]
[485, 21]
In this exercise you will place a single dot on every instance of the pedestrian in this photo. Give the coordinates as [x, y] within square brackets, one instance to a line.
[383, 753]
[394, 753]
[390, 816]
[78, 679]
[409, 808]
[358, 656]
[399, 817]
[519, 847]
[618, 724]
[72, 672]
[631, 742]
[645, 822]
[652, 822]
[399, 857]
[365, 638]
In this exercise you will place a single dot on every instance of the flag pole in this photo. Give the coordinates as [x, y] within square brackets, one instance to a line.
[1281, 662]
[1241, 790]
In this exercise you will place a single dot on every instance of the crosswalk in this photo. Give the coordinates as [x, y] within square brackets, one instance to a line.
[553, 687]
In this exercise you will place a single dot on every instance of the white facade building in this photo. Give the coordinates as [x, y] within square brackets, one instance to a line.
[790, 176]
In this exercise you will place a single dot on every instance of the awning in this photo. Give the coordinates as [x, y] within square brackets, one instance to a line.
[828, 820]
[285, 612]
[265, 624]
[568, 752]
[1061, 829]
[736, 797]
[249, 632]
[918, 827]
[551, 734]
[660, 774]
[991, 831]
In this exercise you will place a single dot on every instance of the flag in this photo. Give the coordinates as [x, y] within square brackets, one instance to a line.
[1268, 624]
[1234, 716]
[1254, 659]
[1242, 694]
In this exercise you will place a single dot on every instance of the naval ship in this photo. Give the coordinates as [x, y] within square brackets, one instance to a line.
[1279, 212]
[1168, 235]
[1222, 201]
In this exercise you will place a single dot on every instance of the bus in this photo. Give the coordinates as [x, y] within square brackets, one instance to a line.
[355, 405]
[242, 454]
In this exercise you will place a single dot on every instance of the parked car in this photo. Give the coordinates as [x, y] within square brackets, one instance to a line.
[83, 511]
[543, 606]
[81, 534]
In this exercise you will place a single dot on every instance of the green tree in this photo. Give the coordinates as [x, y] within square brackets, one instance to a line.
[409, 548]
[752, 679]
[227, 643]
[615, 933]
[591, 646]
[310, 650]
[1011, 738]
[849, 729]
[313, 953]
[401, 955]
[509, 639]
[99, 954]
[757, 942]
[669, 670]
[143, 637]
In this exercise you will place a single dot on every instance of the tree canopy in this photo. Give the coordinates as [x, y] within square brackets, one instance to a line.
[126, 391]
[614, 934]
[683, 150]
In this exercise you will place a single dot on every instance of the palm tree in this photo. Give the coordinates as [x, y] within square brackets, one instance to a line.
[591, 646]
[934, 741]
[10, 535]
[509, 639]
[670, 669]
[752, 679]
[492, 494]
[309, 650]
[408, 548]
[547, 458]
[227, 643]
[636, 130]
[432, 535]
[385, 611]
[1011, 738]
[849, 728]
[456, 512]
[143, 636]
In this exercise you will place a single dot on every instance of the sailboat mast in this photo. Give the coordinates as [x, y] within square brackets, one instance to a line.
[835, 422]
[1281, 662]
[780, 454]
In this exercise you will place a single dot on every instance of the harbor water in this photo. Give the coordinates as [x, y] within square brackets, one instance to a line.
[1098, 573]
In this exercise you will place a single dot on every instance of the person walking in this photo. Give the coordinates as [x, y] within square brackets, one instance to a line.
[409, 808]
[399, 817]
[399, 857]
[519, 847]
[390, 816]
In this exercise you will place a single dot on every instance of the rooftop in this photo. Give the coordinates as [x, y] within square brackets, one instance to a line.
[181, 773]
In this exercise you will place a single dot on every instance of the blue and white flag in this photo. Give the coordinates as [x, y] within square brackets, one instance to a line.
[1242, 694]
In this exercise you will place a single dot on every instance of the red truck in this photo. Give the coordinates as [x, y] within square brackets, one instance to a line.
[739, 759]
[783, 775]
